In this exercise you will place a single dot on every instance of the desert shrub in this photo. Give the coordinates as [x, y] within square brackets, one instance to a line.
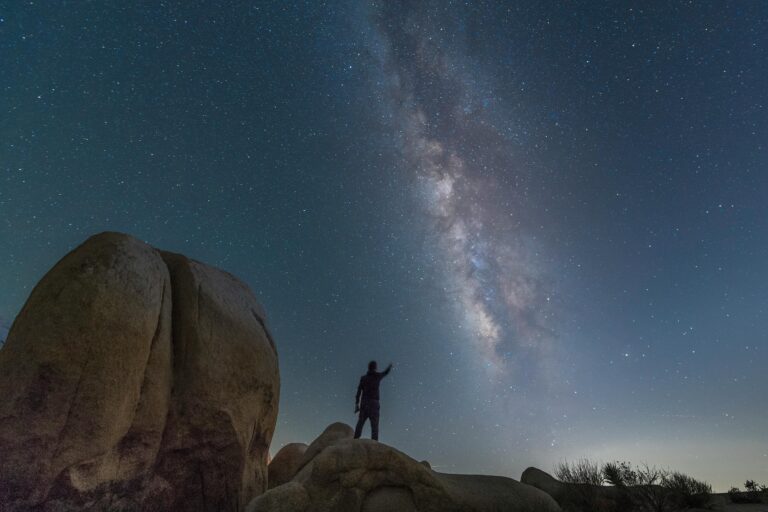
[641, 488]
[648, 492]
[738, 497]
[583, 471]
[651, 489]
[619, 474]
[586, 491]
[755, 488]
[751, 494]
[584, 478]
[688, 492]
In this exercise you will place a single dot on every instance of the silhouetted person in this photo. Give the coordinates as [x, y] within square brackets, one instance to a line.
[369, 405]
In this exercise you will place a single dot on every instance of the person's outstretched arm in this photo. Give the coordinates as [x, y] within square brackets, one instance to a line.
[386, 372]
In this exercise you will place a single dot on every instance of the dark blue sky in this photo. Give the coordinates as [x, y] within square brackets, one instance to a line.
[550, 216]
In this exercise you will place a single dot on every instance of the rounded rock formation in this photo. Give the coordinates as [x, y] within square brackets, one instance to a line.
[225, 391]
[286, 464]
[578, 496]
[290, 497]
[544, 481]
[333, 433]
[129, 386]
[485, 493]
[361, 475]
[387, 499]
[85, 374]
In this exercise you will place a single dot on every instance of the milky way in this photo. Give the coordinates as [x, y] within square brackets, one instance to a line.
[466, 179]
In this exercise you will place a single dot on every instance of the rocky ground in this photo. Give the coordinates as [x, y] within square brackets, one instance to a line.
[338, 473]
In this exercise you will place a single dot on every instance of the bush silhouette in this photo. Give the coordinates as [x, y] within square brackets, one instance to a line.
[631, 488]
[752, 493]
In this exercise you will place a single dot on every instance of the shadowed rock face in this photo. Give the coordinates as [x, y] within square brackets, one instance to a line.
[286, 464]
[333, 433]
[544, 481]
[225, 390]
[361, 475]
[136, 380]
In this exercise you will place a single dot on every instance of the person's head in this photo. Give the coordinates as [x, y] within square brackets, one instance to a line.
[372, 366]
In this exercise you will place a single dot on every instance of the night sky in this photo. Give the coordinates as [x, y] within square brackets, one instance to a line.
[551, 217]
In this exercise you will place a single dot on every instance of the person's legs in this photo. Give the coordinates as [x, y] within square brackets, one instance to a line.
[360, 422]
[374, 416]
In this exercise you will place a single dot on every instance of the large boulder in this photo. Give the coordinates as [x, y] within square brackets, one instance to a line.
[225, 391]
[286, 464]
[95, 384]
[85, 374]
[361, 475]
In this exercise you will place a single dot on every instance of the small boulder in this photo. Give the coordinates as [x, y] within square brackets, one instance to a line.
[361, 475]
[286, 464]
[333, 433]
[544, 481]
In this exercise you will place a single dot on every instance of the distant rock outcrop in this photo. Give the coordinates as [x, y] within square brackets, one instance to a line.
[353, 475]
[136, 380]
